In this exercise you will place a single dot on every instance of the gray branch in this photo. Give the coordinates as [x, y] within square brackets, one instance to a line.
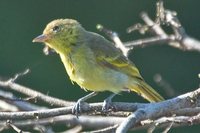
[106, 123]
[179, 111]
[187, 103]
[9, 84]
[16, 104]
[155, 110]
[178, 39]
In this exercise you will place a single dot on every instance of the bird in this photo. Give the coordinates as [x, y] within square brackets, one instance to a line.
[93, 62]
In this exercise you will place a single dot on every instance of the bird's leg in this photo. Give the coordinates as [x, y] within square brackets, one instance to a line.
[107, 103]
[77, 107]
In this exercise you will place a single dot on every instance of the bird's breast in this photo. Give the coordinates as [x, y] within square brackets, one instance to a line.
[83, 68]
[78, 64]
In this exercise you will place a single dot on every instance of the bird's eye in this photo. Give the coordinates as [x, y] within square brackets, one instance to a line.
[56, 28]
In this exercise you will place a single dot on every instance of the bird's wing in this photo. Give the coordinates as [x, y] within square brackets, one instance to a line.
[108, 55]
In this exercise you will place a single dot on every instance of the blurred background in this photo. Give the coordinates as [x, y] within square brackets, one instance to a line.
[22, 20]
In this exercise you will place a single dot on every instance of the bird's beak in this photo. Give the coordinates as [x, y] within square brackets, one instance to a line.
[41, 38]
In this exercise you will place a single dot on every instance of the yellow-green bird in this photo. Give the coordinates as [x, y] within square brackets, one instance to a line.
[93, 62]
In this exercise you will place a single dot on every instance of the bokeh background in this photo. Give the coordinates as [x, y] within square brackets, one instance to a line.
[22, 20]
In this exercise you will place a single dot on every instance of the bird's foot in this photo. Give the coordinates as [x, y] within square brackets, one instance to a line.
[77, 107]
[107, 104]
[76, 110]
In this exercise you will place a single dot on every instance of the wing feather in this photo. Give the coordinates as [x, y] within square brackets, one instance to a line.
[108, 55]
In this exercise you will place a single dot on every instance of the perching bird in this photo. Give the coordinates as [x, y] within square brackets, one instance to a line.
[93, 62]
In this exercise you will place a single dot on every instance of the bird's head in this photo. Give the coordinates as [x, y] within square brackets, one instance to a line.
[60, 34]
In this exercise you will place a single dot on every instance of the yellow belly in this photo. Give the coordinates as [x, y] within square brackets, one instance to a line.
[92, 76]
[99, 79]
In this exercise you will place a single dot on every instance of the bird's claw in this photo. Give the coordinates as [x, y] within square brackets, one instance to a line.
[77, 108]
[106, 105]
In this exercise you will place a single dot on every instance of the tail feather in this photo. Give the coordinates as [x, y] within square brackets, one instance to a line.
[146, 91]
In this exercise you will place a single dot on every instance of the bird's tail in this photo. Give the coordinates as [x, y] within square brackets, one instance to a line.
[145, 90]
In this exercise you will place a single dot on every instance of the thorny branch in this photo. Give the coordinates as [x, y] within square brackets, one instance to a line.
[179, 111]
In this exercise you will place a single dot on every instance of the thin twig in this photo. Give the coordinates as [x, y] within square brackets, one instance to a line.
[18, 75]
[87, 122]
[17, 103]
[159, 40]
[110, 129]
[9, 84]
[114, 36]
[15, 128]
[168, 127]
[178, 39]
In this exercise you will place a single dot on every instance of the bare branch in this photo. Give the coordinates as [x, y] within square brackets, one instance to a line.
[188, 111]
[176, 120]
[155, 110]
[9, 84]
[105, 130]
[130, 121]
[18, 75]
[86, 108]
[143, 111]
[114, 36]
[15, 128]
[4, 106]
[18, 104]
[168, 127]
[179, 39]
[106, 123]
[76, 129]
[149, 41]
[87, 122]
